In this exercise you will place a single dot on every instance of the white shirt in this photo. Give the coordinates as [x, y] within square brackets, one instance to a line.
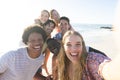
[17, 65]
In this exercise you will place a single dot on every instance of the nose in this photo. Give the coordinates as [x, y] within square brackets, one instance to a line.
[73, 48]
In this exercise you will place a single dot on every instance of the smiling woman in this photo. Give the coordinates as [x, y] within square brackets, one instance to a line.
[75, 63]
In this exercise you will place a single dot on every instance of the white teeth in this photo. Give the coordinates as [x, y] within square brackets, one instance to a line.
[73, 54]
[37, 47]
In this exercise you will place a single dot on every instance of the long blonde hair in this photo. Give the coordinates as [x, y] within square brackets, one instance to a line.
[63, 61]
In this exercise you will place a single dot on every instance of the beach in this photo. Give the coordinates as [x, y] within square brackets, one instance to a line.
[100, 39]
[104, 40]
[105, 43]
[112, 70]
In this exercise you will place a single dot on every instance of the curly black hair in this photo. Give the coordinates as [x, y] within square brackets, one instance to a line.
[30, 29]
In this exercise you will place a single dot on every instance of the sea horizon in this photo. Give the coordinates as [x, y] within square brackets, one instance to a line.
[88, 31]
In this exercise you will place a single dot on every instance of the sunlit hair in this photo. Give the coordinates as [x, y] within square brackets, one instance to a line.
[63, 61]
[51, 12]
[46, 12]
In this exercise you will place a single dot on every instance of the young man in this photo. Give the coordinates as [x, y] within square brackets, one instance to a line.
[21, 64]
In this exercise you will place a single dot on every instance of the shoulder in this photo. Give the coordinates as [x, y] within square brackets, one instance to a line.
[94, 57]
[12, 53]
[37, 20]
[58, 36]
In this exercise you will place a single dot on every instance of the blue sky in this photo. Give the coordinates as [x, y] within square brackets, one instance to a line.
[15, 15]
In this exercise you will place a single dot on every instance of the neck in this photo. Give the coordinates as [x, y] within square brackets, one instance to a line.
[74, 71]
[71, 71]
[33, 54]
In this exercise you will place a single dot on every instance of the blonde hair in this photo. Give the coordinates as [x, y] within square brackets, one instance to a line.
[51, 12]
[46, 12]
[63, 61]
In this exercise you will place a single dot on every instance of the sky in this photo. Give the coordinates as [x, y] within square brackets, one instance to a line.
[15, 15]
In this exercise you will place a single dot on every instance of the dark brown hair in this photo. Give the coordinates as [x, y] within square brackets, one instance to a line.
[30, 29]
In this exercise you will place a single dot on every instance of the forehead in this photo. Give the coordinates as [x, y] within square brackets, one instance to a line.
[34, 35]
[63, 21]
[73, 39]
[54, 12]
[44, 13]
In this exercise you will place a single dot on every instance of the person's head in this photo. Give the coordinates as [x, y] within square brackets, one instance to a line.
[48, 26]
[44, 16]
[73, 52]
[64, 24]
[34, 37]
[55, 15]
[53, 46]
[74, 46]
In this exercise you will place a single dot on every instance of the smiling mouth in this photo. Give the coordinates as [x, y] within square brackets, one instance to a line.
[74, 54]
[37, 47]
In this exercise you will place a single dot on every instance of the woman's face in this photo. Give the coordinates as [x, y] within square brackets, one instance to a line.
[44, 16]
[55, 15]
[73, 48]
[35, 43]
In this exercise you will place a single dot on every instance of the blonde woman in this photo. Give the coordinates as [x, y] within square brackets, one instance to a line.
[54, 15]
[44, 16]
[74, 63]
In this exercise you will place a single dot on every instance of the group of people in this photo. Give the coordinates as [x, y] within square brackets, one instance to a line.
[52, 34]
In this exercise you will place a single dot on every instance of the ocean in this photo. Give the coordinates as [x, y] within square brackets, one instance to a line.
[90, 33]
[93, 31]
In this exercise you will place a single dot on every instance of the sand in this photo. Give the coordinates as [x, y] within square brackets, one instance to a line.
[110, 44]
[105, 43]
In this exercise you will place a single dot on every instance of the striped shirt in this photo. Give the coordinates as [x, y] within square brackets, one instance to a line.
[17, 65]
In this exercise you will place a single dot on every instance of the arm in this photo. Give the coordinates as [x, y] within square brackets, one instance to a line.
[111, 71]
[3, 63]
[95, 63]
[5, 60]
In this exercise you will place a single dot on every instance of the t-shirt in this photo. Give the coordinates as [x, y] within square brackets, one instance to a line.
[17, 65]
[58, 36]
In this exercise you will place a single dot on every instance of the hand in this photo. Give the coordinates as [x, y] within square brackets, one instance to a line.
[49, 77]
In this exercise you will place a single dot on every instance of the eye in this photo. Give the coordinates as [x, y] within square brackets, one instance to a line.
[31, 41]
[66, 24]
[68, 44]
[78, 45]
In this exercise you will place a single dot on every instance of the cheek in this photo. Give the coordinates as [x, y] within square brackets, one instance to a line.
[29, 46]
[66, 49]
[79, 49]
